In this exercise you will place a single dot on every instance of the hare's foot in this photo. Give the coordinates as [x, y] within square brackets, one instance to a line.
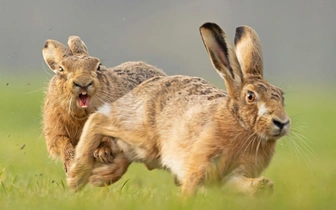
[261, 186]
[250, 186]
[177, 182]
[78, 176]
[106, 174]
[104, 153]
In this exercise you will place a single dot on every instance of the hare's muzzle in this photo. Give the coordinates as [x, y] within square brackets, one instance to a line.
[280, 127]
[83, 95]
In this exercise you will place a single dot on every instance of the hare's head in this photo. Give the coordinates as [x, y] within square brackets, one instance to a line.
[75, 70]
[256, 104]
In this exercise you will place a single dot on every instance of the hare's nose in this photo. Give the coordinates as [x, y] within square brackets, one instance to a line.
[85, 85]
[280, 124]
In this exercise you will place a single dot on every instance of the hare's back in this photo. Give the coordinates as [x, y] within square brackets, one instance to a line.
[161, 96]
[135, 72]
[166, 89]
[172, 97]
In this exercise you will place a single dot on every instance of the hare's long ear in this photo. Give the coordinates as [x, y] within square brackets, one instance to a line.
[223, 57]
[54, 52]
[77, 46]
[248, 51]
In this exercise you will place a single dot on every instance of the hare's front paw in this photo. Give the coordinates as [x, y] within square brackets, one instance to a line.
[68, 157]
[104, 153]
[262, 186]
[67, 165]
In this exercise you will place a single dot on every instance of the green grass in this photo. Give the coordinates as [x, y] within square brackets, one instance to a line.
[31, 180]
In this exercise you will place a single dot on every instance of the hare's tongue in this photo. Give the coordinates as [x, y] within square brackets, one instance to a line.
[83, 100]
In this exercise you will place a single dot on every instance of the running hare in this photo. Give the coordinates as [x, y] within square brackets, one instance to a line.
[193, 129]
[80, 86]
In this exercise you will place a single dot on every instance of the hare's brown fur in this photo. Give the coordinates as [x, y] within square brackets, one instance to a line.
[80, 75]
[193, 129]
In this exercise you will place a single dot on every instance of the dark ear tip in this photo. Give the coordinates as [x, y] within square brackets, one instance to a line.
[245, 29]
[240, 29]
[209, 25]
[50, 43]
[239, 34]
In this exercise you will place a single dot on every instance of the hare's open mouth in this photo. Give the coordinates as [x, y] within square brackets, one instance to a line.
[83, 100]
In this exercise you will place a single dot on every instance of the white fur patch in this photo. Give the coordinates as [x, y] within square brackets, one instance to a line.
[105, 109]
[262, 109]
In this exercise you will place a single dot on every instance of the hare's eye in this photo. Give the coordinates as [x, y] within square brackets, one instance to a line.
[98, 68]
[61, 69]
[250, 96]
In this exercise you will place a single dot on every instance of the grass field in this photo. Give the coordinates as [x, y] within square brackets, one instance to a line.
[30, 180]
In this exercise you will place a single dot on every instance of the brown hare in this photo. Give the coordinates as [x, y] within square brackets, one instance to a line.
[193, 129]
[80, 86]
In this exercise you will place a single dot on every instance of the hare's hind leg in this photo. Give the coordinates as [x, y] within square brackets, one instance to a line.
[106, 174]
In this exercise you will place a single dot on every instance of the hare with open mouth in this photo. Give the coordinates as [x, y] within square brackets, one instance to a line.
[193, 129]
[81, 85]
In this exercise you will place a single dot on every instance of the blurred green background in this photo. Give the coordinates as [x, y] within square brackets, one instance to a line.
[298, 45]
